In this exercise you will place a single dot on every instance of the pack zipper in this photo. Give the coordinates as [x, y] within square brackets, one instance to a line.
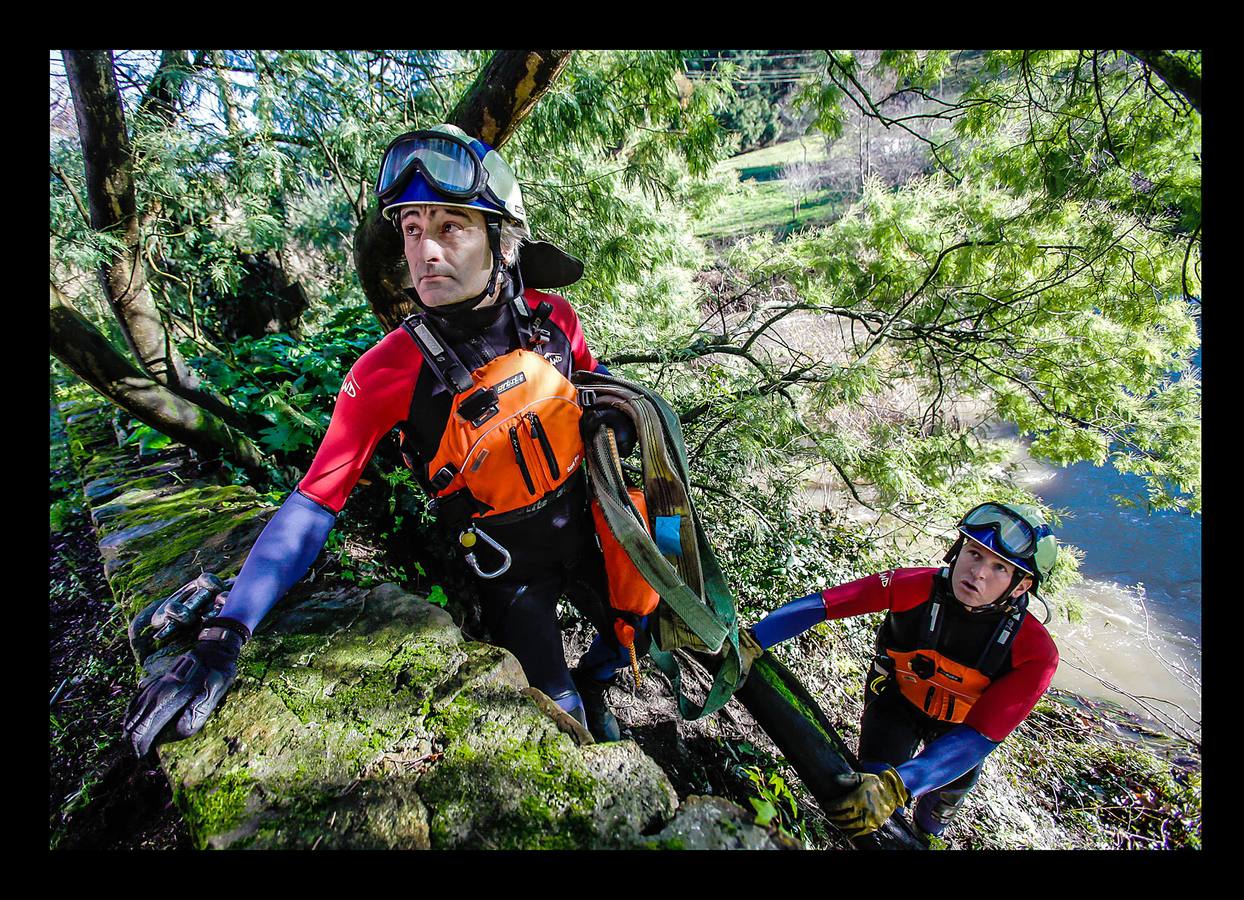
[522, 463]
[537, 428]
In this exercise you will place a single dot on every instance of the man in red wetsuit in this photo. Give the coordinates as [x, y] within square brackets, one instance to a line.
[959, 664]
[460, 212]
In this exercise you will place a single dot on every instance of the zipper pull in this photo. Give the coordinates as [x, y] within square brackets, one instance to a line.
[518, 458]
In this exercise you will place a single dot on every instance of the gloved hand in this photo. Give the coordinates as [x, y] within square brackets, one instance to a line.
[870, 801]
[596, 415]
[186, 694]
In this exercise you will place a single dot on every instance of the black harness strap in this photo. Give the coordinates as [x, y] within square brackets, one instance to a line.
[437, 353]
[994, 655]
[999, 646]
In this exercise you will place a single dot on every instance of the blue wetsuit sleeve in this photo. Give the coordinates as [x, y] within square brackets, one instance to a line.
[945, 759]
[280, 557]
[787, 621]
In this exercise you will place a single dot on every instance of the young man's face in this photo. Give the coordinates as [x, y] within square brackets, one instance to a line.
[981, 576]
[447, 251]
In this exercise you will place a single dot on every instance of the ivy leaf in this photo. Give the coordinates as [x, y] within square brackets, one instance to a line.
[284, 437]
[148, 439]
[766, 812]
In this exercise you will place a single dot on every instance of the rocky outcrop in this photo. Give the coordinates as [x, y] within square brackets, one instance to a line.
[361, 717]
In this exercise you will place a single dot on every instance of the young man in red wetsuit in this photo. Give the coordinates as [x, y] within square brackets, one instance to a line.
[478, 383]
[959, 664]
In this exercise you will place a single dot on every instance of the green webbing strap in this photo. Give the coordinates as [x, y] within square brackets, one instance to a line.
[698, 609]
[623, 521]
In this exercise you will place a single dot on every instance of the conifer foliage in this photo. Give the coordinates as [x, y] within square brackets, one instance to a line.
[1044, 265]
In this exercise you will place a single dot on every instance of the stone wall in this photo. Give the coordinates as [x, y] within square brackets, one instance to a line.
[362, 718]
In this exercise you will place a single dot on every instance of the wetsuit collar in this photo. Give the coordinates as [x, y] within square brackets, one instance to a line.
[460, 323]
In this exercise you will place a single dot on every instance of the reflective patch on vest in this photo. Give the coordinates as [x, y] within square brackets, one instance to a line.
[425, 335]
[479, 459]
[512, 382]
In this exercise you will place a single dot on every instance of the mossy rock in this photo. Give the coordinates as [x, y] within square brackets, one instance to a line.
[712, 823]
[363, 719]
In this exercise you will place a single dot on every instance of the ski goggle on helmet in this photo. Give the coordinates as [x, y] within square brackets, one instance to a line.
[1019, 534]
[445, 166]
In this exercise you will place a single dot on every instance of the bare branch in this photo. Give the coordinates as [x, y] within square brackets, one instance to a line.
[77, 201]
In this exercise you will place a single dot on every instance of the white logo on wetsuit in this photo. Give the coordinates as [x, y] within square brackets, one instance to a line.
[885, 578]
[348, 385]
[552, 357]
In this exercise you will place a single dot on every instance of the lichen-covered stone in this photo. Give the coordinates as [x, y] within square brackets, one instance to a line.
[711, 823]
[362, 718]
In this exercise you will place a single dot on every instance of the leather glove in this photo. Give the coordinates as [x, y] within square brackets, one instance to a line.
[174, 704]
[596, 415]
[869, 801]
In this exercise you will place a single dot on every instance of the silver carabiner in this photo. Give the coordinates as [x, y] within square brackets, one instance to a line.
[470, 557]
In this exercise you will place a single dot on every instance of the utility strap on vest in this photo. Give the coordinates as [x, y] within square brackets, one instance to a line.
[999, 645]
[441, 359]
[697, 612]
[994, 653]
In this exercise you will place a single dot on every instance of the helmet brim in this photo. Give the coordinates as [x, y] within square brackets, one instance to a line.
[544, 265]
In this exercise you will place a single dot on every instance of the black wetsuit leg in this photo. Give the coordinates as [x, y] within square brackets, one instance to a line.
[521, 615]
[889, 734]
[522, 618]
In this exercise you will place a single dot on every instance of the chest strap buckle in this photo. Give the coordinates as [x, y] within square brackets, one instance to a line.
[480, 406]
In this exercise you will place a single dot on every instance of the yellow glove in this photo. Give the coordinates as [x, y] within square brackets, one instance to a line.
[869, 800]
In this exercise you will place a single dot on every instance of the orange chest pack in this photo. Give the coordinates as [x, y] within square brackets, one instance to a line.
[941, 686]
[512, 437]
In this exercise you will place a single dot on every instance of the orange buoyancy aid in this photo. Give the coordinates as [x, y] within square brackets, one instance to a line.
[512, 436]
[948, 694]
[524, 447]
[942, 687]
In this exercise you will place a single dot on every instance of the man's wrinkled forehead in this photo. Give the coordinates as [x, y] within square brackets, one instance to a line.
[424, 211]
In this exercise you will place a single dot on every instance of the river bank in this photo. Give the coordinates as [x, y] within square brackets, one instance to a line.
[1130, 631]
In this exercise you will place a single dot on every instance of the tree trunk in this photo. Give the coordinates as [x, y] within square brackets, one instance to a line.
[109, 167]
[77, 344]
[505, 92]
[491, 110]
[1177, 74]
[108, 162]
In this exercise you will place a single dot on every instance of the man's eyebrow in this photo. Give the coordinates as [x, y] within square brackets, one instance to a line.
[454, 211]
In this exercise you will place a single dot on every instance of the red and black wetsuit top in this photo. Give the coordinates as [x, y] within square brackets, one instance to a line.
[1013, 690]
[389, 386]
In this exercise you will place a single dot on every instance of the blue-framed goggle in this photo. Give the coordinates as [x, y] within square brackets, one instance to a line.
[1013, 533]
[449, 164]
